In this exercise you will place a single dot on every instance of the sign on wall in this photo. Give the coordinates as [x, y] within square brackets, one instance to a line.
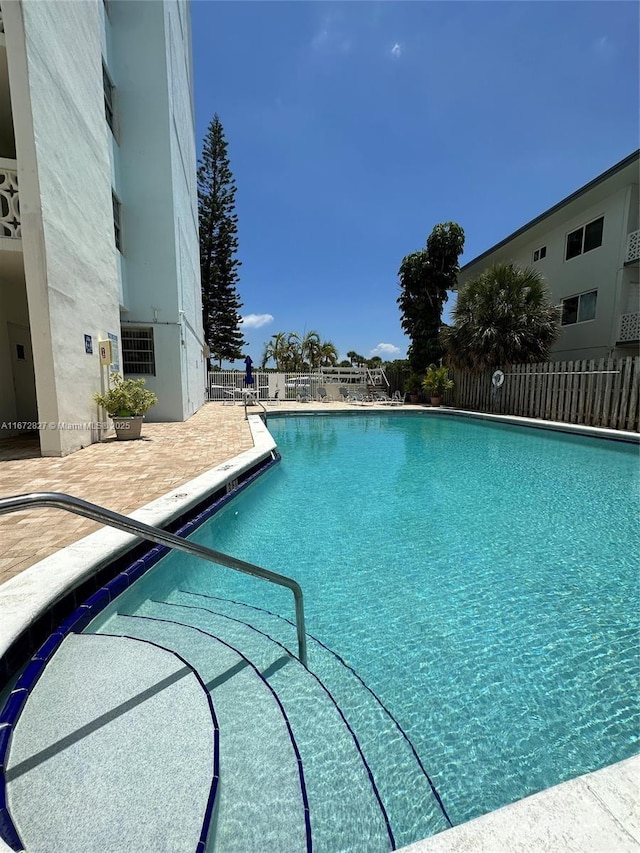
[115, 363]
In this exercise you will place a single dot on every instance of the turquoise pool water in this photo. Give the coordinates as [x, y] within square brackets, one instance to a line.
[481, 578]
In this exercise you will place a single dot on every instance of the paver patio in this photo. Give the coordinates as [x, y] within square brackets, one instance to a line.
[119, 475]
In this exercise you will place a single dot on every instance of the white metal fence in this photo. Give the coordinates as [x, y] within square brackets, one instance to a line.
[228, 385]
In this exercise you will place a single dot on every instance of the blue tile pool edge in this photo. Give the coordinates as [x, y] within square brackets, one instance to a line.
[89, 609]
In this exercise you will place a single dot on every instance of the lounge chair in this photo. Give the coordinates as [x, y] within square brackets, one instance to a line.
[385, 400]
[323, 397]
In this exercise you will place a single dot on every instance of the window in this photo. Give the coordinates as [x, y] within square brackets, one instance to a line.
[137, 351]
[108, 89]
[117, 226]
[540, 253]
[584, 239]
[580, 308]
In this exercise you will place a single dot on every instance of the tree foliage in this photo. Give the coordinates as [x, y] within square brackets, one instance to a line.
[291, 351]
[425, 277]
[504, 316]
[218, 246]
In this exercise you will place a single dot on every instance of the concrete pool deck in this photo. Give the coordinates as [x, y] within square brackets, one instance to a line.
[598, 813]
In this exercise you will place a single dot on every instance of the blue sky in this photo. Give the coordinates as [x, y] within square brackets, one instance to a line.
[354, 128]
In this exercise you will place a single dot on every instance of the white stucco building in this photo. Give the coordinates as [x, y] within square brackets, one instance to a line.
[588, 249]
[98, 218]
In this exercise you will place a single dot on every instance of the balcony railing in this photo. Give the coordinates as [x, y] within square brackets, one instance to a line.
[9, 200]
[633, 247]
[629, 327]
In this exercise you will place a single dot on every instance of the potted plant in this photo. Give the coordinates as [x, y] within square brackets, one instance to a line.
[126, 404]
[436, 382]
[412, 386]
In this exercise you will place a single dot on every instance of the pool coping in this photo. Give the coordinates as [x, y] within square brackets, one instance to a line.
[30, 594]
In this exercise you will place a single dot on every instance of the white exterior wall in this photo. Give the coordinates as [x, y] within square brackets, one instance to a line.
[62, 148]
[600, 269]
[150, 55]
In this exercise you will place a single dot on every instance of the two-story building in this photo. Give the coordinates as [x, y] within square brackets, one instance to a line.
[588, 248]
[98, 213]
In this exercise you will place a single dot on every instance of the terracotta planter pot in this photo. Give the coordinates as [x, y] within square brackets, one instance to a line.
[435, 401]
[128, 428]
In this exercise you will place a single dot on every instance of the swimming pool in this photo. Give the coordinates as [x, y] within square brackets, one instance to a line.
[480, 579]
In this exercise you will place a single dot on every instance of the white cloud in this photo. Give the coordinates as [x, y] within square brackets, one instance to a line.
[604, 48]
[396, 50]
[255, 321]
[330, 37]
[385, 349]
[320, 38]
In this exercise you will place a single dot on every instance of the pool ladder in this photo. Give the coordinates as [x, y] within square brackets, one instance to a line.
[97, 513]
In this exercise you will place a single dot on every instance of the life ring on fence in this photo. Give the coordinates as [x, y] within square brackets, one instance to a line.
[497, 380]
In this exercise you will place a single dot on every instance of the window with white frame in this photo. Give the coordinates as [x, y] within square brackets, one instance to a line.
[584, 239]
[138, 354]
[539, 254]
[579, 308]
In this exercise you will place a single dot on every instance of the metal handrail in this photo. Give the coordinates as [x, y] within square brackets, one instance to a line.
[97, 513]
[260, 403]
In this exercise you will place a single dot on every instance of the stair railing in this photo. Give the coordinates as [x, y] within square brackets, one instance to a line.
[69, 503]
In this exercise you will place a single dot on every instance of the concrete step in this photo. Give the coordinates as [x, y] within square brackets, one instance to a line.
[99, 761]
[261, 807]
[344, 808]
[393, 761]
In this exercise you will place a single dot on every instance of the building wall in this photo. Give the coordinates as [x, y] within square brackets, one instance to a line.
[150, 54]
[62, 149]
[600, 269]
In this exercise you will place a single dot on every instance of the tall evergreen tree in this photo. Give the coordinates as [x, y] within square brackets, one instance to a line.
[218, 246]
[425, 277]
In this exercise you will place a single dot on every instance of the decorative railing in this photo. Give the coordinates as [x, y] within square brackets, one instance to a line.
[633, 247]
[9, 200]
[629, 327]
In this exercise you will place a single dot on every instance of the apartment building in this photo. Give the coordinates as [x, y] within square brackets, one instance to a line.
[99, 257]
[588, 249]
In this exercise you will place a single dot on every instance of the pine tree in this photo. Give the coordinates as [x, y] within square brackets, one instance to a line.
[218, 246]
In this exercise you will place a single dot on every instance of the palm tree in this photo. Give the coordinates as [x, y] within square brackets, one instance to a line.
[310, 349]
[328, 355]
[504, 316]
[275, 350]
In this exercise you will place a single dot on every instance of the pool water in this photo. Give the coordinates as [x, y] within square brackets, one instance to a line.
[481, 578]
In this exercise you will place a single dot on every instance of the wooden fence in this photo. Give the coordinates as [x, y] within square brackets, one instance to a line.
[601, 393]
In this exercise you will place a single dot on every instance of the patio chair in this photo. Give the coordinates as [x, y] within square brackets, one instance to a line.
[303, 395]
[323, 397]
[386, 400]
[275, 400]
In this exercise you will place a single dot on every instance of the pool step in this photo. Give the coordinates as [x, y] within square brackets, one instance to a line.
[410, 799]
[345, 810]
[261, 803]
[98, 760]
